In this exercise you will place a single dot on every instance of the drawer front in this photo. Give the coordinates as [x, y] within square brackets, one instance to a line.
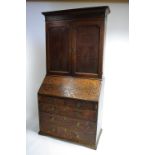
[69, 108]
[83, 105]
[68, 128]
[68, 111]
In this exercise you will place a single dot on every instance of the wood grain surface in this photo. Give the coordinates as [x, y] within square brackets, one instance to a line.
[71, 87]
[74, 41]
[69, 99]
[83, 110]
[79, 131]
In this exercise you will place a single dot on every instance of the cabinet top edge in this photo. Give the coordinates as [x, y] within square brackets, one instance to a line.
[100, 10]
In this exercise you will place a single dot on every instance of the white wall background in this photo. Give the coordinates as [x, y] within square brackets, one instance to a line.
[116, 69]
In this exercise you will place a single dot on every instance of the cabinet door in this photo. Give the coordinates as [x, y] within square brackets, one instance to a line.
[87, 46]
[58, 48]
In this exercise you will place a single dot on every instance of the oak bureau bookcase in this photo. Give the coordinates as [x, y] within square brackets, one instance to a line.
[69, 98]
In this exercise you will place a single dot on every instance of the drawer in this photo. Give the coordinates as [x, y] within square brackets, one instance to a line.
[68, 111]
[68, 128]
[72, 103]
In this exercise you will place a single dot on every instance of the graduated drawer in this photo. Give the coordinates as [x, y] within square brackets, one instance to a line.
[68, 128]
[67, 107]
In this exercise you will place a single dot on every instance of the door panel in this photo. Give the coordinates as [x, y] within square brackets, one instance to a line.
[58, 48]
[87, 48]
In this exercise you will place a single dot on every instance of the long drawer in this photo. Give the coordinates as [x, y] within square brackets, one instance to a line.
[84, 110]
[68, 128]
[83, 105]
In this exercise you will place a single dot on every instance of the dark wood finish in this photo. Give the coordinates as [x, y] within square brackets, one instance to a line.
[75, 41]
[88, 54]
[69, 99]
[79, 13]
[69, 112]
[80, 131]
[58, 48]
[68, 108]
[68, 103]
[79, 109]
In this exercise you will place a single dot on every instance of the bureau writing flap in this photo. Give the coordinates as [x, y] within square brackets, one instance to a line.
[71, 87]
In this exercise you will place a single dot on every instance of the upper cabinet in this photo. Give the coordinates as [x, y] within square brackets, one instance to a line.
[75, 41]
